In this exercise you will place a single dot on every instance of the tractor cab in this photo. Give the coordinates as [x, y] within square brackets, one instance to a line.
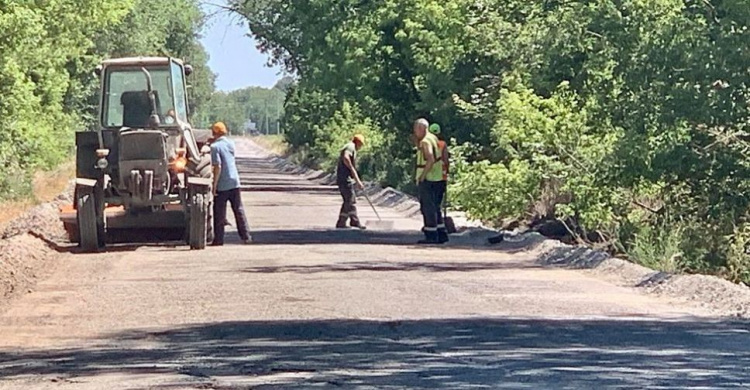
[149, 93]
[129, 86]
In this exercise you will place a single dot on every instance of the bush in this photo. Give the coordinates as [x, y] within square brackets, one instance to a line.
[738, 258]
[659, 247]
[488, 191]
[543, 141]
[305, 111]
[337, 131]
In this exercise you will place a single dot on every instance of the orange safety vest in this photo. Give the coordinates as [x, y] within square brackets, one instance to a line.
[442, 150]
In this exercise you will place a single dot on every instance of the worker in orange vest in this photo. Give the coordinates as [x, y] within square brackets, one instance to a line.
[347, 178]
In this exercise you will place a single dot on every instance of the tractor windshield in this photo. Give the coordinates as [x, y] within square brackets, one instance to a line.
[126, 101]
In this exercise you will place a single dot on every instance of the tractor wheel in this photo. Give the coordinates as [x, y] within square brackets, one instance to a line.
[202, 169]
[72, 230]
[210, 220]
[198, 226]
[88, 229]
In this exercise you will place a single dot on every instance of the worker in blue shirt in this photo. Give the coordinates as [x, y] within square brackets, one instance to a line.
[226, 186]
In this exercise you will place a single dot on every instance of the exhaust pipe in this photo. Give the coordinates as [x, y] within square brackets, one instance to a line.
[153, 120]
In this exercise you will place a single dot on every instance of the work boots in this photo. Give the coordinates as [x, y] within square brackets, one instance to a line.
[355, 223]
[341, 224]
[430, 238]
[443, 236]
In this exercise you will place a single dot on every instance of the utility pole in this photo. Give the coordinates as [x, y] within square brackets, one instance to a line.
[278, 118]
[267, 124]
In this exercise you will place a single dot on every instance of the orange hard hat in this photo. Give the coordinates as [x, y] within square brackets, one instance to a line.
[219, 128]
[359, 138]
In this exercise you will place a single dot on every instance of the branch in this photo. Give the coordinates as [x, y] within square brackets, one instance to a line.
[643, 206]
[575, 236]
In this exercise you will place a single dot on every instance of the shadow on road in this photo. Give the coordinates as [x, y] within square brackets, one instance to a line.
[423, 354]
[391, 266]
[132, 240]
[407, 238]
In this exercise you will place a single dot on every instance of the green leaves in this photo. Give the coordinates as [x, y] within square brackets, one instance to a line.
[494, 191]
[48, 50]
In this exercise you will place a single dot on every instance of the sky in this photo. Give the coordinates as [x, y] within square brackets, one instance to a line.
[233, 55]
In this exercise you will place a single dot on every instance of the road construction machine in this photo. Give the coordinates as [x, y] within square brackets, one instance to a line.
[144, 167]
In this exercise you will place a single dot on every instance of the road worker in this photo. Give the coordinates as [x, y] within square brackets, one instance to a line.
[429, 174]
[226, 186]
[347, 178]
[444, 158]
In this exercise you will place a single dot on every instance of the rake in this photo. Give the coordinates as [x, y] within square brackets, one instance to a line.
[379, 224]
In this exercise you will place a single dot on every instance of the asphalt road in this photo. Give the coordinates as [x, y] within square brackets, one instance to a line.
[310, 307]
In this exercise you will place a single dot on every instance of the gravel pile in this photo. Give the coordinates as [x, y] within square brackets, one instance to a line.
[710, 292]
[723, 298]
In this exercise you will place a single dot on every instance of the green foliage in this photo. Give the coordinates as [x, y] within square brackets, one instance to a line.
[39, 43]
[304, 112]
[339, 130]
[627, 118]
[553, 136]
[658, 247]
[490, 191]
[48, 50]
[738, 259]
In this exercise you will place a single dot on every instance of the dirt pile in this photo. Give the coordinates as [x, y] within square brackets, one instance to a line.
[41, 220]
[24, 259]
[27, 246]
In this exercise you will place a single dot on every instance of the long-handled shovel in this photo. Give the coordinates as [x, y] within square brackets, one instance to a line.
[450, 226]
[379, 224]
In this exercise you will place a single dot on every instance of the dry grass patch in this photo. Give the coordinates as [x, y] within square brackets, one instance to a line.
[47, 185]
[273, 143]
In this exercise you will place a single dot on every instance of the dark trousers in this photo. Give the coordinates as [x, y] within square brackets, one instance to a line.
[442, 188]
[349, 205]
[428, 203]
[234, 197]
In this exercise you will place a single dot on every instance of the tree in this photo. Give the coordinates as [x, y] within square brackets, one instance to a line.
[285, 84]
[48, 51]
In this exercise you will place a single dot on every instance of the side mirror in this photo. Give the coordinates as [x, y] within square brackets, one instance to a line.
[98, 71]
[188, 70]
